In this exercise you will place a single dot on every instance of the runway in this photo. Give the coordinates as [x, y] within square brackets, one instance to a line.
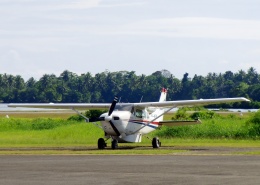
[126, 170]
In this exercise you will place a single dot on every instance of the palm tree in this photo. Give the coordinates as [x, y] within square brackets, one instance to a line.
[19, 82]
[252, 76]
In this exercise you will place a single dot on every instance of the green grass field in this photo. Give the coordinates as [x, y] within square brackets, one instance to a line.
[232, 131]
[40, 133]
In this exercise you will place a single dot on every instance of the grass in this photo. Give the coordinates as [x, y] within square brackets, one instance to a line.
[257, 152]
[25, 134]
[184, 142]
[37, 114]
[94, 152]
[214, 129]
[58, 132]
[224, 125]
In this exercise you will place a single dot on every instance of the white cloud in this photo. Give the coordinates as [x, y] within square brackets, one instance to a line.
[121, 3]
[10, 61]
[255, 52]
[49, 35]
[194, 27]
[81, 4]
[11, 57]
[247, 65]
[223, 62]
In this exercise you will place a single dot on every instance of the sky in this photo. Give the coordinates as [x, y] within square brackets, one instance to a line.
[40, 37]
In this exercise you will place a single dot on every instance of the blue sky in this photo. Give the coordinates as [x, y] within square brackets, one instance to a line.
[47, 37]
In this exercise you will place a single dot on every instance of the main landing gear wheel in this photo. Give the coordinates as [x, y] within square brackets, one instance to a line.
[156, 142]
[101, 143]
[114, 144]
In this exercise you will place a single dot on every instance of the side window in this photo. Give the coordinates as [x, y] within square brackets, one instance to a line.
[144, 113]
[138, 113]
[141, 113]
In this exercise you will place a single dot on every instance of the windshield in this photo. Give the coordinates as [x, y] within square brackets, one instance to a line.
[124, 107]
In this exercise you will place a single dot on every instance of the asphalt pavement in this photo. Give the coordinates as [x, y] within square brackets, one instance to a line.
[129, 169]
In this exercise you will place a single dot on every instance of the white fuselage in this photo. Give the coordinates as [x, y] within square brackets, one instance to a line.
[129, 127]
[129, 123]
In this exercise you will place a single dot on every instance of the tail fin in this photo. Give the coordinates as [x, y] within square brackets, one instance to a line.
[163, 95]
[159, 110]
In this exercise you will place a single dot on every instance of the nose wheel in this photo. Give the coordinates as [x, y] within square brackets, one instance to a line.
[114, 144]
[101, 143]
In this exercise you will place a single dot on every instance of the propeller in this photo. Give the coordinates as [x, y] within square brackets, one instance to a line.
[107, 118]
[112, 107]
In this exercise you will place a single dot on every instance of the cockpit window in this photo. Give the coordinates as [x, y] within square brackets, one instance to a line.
[124, 107]
[139, 113]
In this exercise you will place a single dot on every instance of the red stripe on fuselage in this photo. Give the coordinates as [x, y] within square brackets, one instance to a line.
[144, 121]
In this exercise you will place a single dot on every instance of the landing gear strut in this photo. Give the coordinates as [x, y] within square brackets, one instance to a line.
[156, 142]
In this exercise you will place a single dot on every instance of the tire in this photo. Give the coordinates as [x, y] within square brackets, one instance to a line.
[101, 143]
[114, 144]
[156, 143]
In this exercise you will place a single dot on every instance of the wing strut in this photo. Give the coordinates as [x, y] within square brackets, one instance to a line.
[87, 119]
[145, 125]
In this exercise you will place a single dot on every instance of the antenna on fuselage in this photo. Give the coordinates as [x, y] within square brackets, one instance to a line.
[141, 99]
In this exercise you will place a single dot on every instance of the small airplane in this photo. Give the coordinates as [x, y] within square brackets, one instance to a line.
[128, 122]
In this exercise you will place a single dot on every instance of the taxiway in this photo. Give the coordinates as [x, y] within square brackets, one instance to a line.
[124, 169]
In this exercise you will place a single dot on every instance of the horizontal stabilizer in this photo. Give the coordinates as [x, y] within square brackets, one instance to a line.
[173, 123]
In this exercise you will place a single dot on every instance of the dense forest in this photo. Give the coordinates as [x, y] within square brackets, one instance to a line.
[102, 87]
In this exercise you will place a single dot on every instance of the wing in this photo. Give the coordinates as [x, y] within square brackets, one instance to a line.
[180, 103]
[78, 106]
[183, 103]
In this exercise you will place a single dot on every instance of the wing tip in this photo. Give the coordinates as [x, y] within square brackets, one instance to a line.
[245, 99]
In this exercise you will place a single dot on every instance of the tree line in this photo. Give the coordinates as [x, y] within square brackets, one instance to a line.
[102, 87]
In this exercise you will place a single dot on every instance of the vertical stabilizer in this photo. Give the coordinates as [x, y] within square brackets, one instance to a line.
[160, 111]
[163, 95]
